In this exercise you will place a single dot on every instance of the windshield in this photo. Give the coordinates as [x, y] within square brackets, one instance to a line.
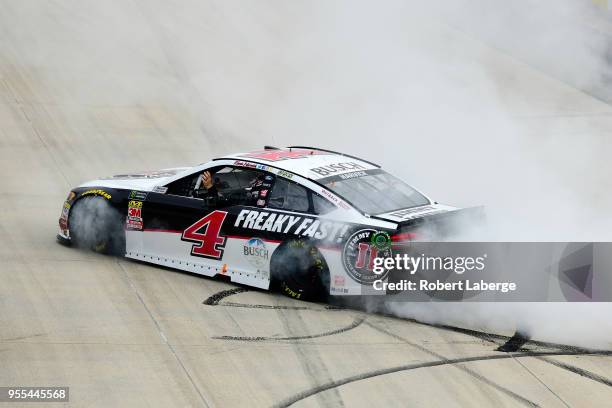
[375, 191]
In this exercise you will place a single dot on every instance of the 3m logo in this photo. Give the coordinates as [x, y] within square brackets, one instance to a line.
[135, 212]
[205, 234]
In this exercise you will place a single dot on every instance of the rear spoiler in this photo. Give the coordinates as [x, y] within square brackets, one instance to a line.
[443, 224]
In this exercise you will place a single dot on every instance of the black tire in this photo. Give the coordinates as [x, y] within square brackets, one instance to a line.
[95, 225]
[300, 270]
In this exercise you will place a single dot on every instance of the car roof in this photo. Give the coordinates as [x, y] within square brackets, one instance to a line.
[309, 162]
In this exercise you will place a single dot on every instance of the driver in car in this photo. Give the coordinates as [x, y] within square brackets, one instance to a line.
[205, 187]
[253, 195]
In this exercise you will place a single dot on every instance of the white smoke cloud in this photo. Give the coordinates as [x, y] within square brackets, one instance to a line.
[474, 102]
[463, 99]
[94, 224]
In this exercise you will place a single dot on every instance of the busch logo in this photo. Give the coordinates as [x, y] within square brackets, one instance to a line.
[256, 252]
[331, 169]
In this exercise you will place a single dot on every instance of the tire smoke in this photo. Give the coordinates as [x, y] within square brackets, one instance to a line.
[94, 224]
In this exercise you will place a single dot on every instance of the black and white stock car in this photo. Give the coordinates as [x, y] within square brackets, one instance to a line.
[306, 219]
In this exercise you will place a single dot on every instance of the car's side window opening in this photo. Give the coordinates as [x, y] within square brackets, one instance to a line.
[183, 187]
[229, 186]
[287, 195]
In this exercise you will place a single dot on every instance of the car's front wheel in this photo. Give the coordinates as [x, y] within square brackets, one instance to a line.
[300, 270]
[94, 224]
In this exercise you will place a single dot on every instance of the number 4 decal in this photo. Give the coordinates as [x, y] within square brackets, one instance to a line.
[208, 244]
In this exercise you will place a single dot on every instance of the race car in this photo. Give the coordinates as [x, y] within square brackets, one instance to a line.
[309, 220]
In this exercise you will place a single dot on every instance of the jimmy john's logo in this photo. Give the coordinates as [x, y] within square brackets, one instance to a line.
[359, 253]
[291, 225]
[335, 168]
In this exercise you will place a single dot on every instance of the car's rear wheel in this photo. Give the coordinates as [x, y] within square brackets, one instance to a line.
[94, 224]
[300, 270]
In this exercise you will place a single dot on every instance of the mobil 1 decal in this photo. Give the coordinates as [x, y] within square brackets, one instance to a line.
[279, 225]
[359, 252]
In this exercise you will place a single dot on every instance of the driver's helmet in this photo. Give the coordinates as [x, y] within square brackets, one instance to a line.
[259, 188]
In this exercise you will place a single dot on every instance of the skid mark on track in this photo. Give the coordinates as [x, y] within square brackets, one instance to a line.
[281, 307]
[375, 373]
[215, 300]
[577, 370]
[556, 350]
[356, 323]
[497, 339]
[468, 371]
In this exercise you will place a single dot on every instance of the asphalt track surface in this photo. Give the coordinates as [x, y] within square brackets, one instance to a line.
[123, 333]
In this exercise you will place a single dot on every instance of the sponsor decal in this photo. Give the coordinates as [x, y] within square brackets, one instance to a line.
[381, 240]
[133, 224]
[339, 290]
[134, 220]
[334, 199]
[285, 174]
[135, 204]
[351, 175]
[135, 212]
[282, 154]
[332, 169]
[410, 213]
[339, 280]
[358, 256]
[160, 189]
[63, 221]
[297, 225]
[245, 164]
[100, 193]
[138, 195]
[256, 253]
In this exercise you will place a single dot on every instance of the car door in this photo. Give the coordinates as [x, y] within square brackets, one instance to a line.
[185, 231]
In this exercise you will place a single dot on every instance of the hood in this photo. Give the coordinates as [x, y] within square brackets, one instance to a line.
[144, 180]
